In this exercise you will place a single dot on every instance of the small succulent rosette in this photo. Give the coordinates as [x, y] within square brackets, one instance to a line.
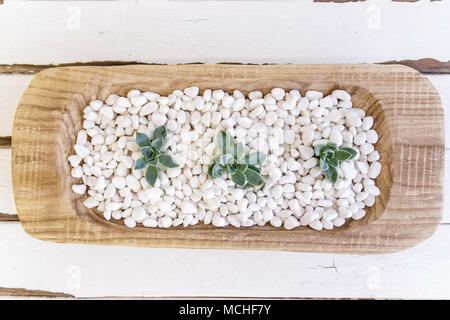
[232, 159]
[330, 155]
[151, 151]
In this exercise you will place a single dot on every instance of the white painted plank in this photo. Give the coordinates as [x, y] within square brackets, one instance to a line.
[11, 90]
[163, 31]
[6, 194]
[95, 271]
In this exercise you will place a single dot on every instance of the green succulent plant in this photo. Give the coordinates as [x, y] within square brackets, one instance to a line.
[233, 160]
[329, 157]
[151, 151]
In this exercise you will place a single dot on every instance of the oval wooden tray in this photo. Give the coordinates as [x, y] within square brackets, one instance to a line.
[408, 117]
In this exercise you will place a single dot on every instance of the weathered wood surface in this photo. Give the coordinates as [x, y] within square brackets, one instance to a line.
[41, 180]
[97, 271]
[213, 31]
[421, 272]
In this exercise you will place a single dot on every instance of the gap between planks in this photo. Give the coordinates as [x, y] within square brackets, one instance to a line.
[26, 293]
[425, 65]
[21, 292]
[5, 142]
[8, 217]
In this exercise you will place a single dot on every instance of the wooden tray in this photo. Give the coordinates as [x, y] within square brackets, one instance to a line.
[408, 117]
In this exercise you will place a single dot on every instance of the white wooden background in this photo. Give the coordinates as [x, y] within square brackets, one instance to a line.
[180, 31]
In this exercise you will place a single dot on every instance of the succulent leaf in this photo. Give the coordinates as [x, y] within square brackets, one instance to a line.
[238, 151]
[218, 171]
[224, 142]
[151, 175]
[242, 166]
[158, 144]
[239, 178]
[160, 132]
[141, 163]
[330, 156]
[332, 174]
[210, 168]
[167, 161]
[153, 162]
[256, 158]
[254, 168]
[317, 149]
[253, 177]
[142, 139]
[225, 159]
[342, 155]
[333, 162]
[349, 150]
[323, 165]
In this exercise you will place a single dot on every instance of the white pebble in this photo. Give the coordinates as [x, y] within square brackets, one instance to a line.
[139, 214]
[352, 119]
[129, 222]
[372, 136]
[188, 207]
[74, 160]
[191, 91]
[374, 170]
[81, 151]
[291, 223]
[349, 170]
[367, 123]
[79, 188]
[341, 95]
[90, 203]
[218, 221]
[308, 136]
[316, 225]
[277, 93]
[77, 172]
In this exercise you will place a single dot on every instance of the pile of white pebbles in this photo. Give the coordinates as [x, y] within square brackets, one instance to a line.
[284, 125]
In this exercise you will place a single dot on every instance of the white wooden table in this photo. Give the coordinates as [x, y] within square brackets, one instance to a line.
[44, 33]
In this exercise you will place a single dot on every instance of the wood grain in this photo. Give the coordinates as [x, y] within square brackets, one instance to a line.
[400, 98]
